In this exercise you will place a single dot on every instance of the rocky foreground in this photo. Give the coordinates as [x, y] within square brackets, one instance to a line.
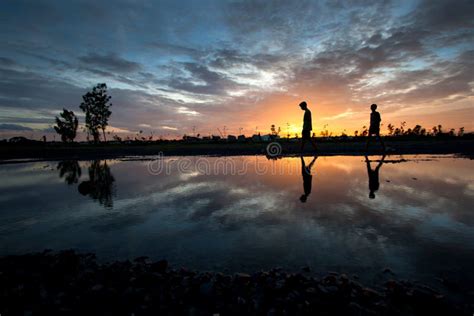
[69, 283]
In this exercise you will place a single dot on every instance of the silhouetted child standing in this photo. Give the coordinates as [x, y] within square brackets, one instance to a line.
[307, 126]
[374, 128]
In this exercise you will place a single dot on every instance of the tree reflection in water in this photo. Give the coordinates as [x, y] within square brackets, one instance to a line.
[100, 185]
[69, 170]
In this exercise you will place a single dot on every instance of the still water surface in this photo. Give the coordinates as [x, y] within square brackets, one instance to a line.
[413, 214]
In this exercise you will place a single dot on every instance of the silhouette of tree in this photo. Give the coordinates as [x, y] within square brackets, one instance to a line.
[100, 184]
[274, 130]
[97, 109]
[70, 170]
[390, 128]
[437, 130]
[419, 130]
[416, 130]
[67, 127]
[402, 127]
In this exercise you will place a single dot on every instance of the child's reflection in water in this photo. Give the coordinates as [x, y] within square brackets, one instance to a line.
[374, 183]
[307, 178]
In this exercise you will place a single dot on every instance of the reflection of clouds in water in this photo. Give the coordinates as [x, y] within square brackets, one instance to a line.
[239, 191]
[252, 207]
[347, 168]
[201, 199]
[189, 175]
[190, 188]
[116, 221]
[405, 224]
[469, 189]
[24, 177]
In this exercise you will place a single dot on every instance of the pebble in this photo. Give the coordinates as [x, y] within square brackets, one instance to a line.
[153, 288]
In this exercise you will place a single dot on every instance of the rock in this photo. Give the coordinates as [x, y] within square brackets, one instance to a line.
[424, 291]
[450, 284]
[344, 278]
[97, 287]
[370, 293]
[279, 284]
[127, 288]
[243, 277]
[355, 308]
[330, 279]
[311, 290]
[356, 285]
[330, 290]
[141, 259]
[159, 266]
[392, 285]
[206, 288]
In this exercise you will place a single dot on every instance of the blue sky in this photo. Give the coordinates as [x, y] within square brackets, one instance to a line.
[173, 65]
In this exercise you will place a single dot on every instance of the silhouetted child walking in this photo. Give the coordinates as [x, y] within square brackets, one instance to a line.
[374, 128]
[307, 127]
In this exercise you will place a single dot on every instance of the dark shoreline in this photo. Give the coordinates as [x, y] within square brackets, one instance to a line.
[70, 283]
[59, 151]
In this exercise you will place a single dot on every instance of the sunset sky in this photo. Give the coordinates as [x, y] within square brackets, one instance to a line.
[174, 65]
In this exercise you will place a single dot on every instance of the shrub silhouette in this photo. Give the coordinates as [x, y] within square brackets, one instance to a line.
[67, 127]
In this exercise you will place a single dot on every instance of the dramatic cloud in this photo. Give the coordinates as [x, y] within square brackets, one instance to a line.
[14, 127]
[242, 64]
[110, 62]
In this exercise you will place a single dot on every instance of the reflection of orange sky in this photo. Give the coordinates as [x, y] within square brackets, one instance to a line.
[336, 178]
[334, 173]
